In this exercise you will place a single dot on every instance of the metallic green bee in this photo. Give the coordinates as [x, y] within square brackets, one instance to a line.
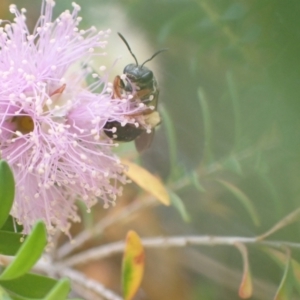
[140, 81]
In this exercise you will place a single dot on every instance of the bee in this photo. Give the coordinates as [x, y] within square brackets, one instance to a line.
[138, 81]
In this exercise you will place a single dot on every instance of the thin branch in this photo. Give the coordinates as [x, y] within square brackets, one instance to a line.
[166, 242]
[136, 206]
[222, 274]
[86, 287]
[98, 229]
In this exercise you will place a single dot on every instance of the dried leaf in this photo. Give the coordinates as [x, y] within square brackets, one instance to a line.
[246, 287]
[132, 265]
[147, 182]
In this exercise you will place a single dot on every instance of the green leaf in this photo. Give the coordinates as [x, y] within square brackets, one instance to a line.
[208, 156]
[179, 205]
[28, 254]
[234, 96]
[7, 191]
[232, 164]
[11, 225]
[296, 272]
[4, 295]
[290, 272]
[285, 288]
[195, 181]
[19, 286]
[10, 242]
[172, 143]
[234, 12]
[60, 291]
[251, 34]
[274, 194]
[14, 297]
[243, 199]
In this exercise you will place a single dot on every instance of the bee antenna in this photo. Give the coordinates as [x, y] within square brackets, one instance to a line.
[123, 39]
[156, 53]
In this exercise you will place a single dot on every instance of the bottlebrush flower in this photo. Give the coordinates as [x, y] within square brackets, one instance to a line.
[51, 122]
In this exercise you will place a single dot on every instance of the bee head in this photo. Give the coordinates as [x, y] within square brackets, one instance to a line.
[138, 73]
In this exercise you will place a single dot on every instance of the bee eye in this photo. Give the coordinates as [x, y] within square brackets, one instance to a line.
[147, 76]
[129, 69]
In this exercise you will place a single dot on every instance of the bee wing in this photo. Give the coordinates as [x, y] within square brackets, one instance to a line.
[144, 141]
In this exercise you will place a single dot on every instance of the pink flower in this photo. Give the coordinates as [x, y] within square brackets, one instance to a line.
[51, 130]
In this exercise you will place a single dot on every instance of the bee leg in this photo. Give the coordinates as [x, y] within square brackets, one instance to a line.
[143, 96]
[117, 87]
[143, 93]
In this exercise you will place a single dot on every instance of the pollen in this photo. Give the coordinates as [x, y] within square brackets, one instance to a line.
[24, 124]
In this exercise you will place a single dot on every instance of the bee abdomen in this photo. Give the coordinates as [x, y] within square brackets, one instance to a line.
[126, 133]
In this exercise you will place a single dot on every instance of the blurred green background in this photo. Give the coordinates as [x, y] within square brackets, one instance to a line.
[229, 97]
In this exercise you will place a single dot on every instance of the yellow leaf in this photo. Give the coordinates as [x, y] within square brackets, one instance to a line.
[147, 182]
[132, 265]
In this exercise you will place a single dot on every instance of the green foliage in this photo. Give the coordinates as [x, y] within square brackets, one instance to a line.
[180, 207]
[19, 286]
[60, 291]
[207, 124]
[246, 202]
[4, 295]
[171, 136]
[15, 281]
[230, 90]
[7, 191]
[28, 254]
[10, 242]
